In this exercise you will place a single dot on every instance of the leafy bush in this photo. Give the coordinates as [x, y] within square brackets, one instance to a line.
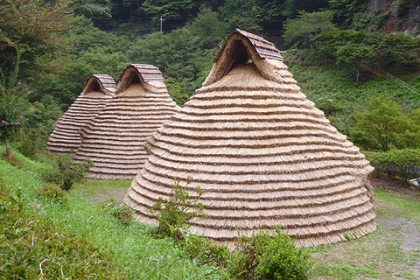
[282, 260]
[382, 125]
[50, 190]
[34, 249]
[65, 173]
[123, 214]
[344, 47]
[269, 256]
[264, 255]
[403, 164]
[244, 262]
[31, 141]
[40, 119]
[300, 31]
[204, 251]
[174, 213]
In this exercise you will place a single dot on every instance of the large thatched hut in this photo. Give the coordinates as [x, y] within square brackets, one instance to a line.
[114, 140]
[261, 152]
[98, 91]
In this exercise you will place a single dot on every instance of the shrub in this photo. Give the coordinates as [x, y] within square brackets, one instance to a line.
[51, 191]
[243, 262]
[382, 125]
[174, 213]
[265, 255]
[204, 251]
[403, 164]
[269, 256]
[282, 260]
[31, 141]
[123, 214]
[65, 173]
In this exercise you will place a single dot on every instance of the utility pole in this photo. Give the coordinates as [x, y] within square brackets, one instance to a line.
[161, 23]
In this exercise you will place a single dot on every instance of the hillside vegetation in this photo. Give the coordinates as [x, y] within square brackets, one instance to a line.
[66, 236]
[49, 48]
[364, 78]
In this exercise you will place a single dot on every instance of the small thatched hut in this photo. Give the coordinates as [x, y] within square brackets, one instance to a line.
[261, 152]
[114, 140]
[98, 91]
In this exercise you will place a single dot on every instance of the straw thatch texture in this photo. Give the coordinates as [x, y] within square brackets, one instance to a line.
[65, 138]
[114, 139]
[261, 152]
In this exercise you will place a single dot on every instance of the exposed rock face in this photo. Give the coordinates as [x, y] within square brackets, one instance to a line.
[404, 16]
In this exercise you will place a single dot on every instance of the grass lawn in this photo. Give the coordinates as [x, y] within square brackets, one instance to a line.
[133, 248]
[392, 252]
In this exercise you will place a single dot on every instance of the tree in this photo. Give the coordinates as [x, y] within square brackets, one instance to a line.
[244, 14]
[31, 28]
[299, 32]
[347, 12]
[169, 9]
[208, 26]
[178, 54]
[382, 125]
[407, 52]
[12, 104]
[291, 7]
[350, 48]
[93, 9]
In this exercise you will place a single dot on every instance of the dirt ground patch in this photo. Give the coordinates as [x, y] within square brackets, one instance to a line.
[118, 195]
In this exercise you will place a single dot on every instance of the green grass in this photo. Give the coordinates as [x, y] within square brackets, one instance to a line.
[94, 187]
[394, 206]
[380, 255]
[136, 252]
[139, 255]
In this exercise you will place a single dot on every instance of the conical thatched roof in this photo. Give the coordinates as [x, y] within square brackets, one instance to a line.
[114, 139]
[65, 138]
[261, 152]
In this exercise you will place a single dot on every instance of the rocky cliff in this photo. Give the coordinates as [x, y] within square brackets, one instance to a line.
[399, 15]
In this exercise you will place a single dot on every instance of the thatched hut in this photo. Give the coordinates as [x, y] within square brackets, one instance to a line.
[261, 152]
[114, 140]
[98, 91]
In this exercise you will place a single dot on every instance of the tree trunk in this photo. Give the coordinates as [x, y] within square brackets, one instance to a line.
[8, 151]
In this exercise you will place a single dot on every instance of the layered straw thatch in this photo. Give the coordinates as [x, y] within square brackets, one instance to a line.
[261, 152]
[114, 140]
[98, 91]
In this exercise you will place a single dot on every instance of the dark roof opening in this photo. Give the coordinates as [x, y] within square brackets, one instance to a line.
[134, 79]
[238, 55]
[93, 85]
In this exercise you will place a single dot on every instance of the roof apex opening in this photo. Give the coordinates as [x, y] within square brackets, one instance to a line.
[100, 83]
[145, 74]
[240, 47]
